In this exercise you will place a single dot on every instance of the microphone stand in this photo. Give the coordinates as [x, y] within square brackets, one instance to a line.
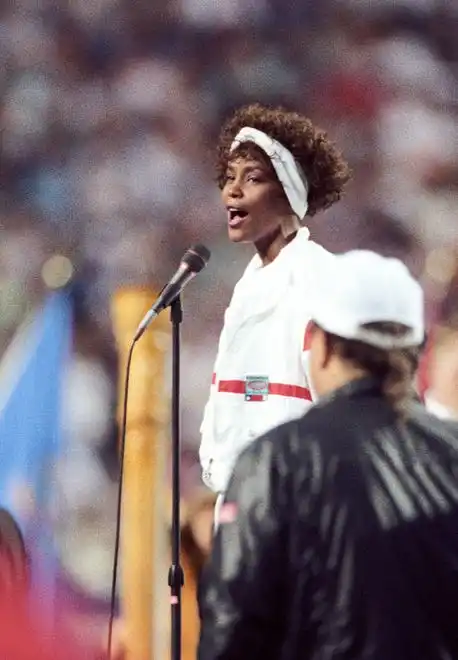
[176, 575]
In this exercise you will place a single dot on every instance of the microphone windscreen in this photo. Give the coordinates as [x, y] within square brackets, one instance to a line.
[196, 258]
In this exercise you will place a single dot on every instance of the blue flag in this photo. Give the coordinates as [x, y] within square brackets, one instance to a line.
[31, 382]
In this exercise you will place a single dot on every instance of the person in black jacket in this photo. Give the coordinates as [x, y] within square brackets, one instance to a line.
[338, 533]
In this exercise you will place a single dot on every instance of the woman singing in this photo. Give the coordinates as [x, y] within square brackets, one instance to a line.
[274, 169]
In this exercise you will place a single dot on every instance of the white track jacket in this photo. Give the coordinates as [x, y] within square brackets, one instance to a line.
[260, 375]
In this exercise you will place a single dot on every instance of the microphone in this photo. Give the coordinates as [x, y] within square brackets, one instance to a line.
[194, 260]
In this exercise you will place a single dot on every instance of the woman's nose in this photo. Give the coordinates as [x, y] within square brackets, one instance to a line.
[235, 189]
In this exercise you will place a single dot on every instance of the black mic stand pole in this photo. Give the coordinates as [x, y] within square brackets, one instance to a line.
[176, 576]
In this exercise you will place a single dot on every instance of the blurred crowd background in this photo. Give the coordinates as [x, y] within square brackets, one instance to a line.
[109, 114]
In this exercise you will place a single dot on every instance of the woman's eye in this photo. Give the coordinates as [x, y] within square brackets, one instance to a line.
[254, 179]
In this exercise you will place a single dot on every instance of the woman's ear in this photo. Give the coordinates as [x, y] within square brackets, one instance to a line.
[320, 346]
[327, 348]
[316, 359]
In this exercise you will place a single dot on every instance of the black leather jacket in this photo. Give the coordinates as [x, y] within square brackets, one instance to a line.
[338, 539]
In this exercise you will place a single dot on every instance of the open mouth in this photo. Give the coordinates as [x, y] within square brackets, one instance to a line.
[235, 216]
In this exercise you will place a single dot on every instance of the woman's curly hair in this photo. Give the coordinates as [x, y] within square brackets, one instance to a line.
[323, 165]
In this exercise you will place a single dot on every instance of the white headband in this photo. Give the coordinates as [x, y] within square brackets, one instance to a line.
[289, 172]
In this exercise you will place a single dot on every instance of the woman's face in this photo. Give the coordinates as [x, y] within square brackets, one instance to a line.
[254, 199]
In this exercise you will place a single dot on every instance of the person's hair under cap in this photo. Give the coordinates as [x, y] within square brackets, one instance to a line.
[361, 288]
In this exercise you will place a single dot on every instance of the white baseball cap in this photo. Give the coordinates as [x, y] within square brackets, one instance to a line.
[361, 287]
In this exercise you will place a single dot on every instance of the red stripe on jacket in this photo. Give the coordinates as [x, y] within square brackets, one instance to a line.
[276, 389]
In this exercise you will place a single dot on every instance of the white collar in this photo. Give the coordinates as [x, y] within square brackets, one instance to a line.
[287, 252]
